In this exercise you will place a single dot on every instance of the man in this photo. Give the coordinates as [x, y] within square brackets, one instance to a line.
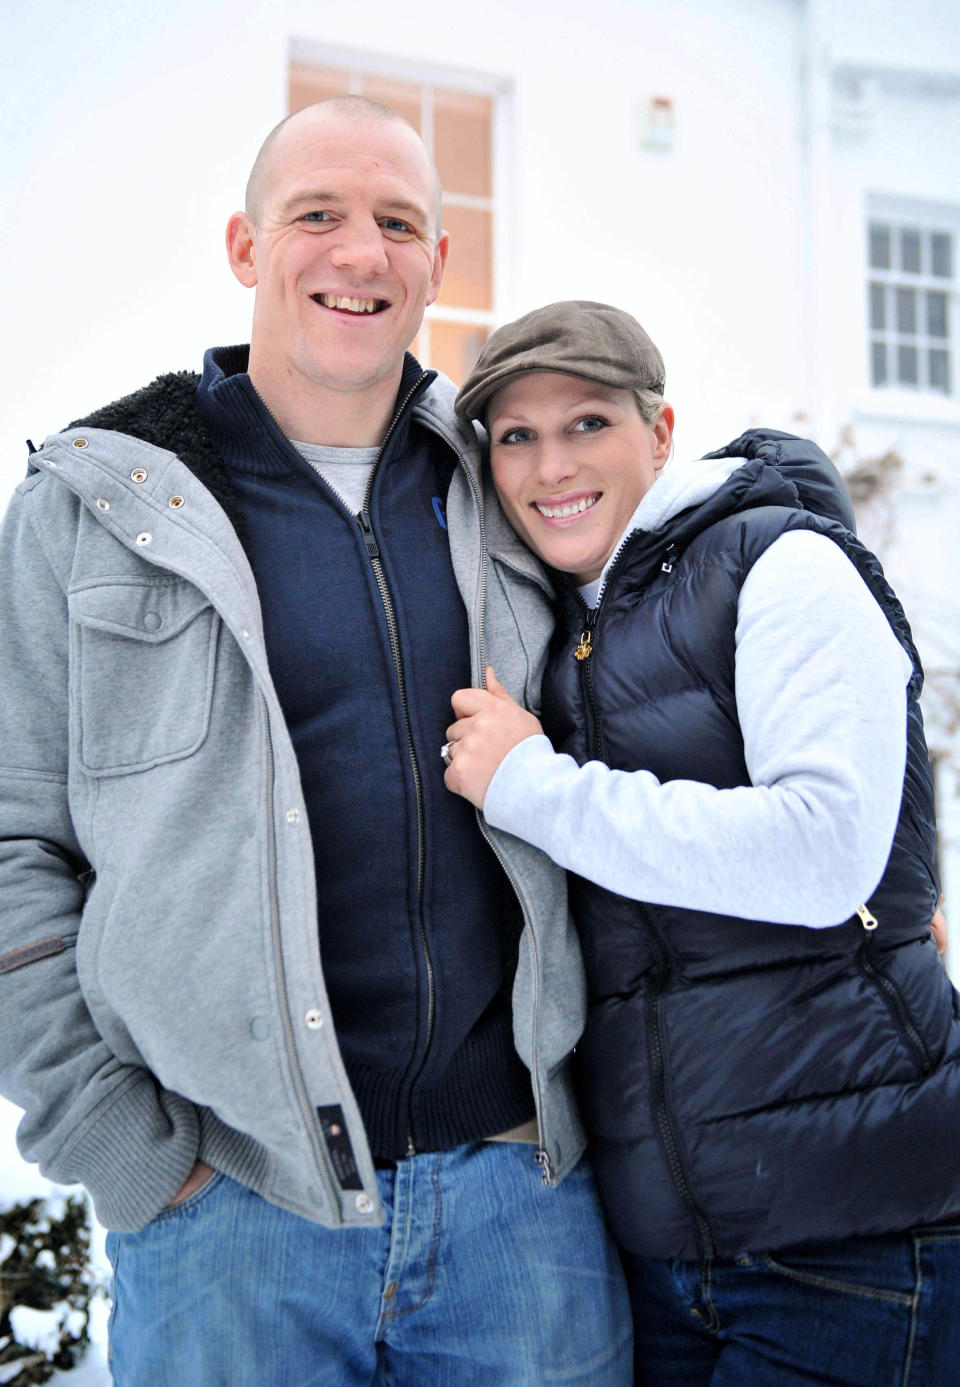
[235, 612]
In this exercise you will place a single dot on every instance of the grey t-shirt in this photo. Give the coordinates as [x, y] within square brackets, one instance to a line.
[347, 470]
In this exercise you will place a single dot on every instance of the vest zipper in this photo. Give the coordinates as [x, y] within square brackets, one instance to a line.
[389, 611]
[891, 994]
[656, 1040]
[666, 1125]
[582, 654]
[586, 647]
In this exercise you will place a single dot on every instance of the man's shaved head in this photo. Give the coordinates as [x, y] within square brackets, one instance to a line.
[359, 108]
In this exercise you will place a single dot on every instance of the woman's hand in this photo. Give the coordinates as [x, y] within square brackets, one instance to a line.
[489, 724]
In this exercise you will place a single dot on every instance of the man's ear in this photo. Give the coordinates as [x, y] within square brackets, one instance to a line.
[439, 263]
[241, 249]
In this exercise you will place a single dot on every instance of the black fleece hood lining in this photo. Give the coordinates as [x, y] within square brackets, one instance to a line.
[165, 413]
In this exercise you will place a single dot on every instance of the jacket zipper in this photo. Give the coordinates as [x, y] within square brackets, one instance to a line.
[313, 1128]
[666, 1126]
[540, 1155]
[891, 994]
[389, 611]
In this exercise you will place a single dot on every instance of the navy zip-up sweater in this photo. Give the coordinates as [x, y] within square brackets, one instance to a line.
[418, 924]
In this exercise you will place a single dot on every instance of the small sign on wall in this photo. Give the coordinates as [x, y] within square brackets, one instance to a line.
[656, 122]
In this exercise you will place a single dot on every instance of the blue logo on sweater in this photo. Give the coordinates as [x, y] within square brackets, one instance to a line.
[439, 511]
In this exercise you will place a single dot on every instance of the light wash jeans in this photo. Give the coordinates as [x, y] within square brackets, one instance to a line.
[481, 1275]
[865, 1312]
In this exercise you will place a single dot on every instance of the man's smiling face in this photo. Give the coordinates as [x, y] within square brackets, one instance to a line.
[344, 250]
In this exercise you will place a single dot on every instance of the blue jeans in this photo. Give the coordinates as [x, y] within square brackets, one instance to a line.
[481, 1275]
[864, 1312]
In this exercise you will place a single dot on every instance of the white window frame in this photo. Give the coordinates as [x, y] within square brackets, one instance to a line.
[894, 399]
[503, 176]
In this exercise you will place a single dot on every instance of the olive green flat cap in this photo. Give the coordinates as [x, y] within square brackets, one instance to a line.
[575, 337]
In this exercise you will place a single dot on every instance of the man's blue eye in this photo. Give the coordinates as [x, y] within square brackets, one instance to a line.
[395, 224]
[315, 216]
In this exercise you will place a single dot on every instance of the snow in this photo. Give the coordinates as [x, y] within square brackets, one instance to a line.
[39, 1329]
[92, 1371]
[20, 1182]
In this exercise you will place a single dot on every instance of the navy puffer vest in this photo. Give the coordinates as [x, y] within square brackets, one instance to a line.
[749, 1085]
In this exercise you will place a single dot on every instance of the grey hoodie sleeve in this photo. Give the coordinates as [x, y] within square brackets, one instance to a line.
[88, 1117]
[820, 687]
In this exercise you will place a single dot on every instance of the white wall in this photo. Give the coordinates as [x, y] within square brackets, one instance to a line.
[900, 144]
[128, 132]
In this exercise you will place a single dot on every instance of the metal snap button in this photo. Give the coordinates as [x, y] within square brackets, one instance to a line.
[80, 443]
[314, 1019]
[364, 1203]
[144, 538]
[175, 502]
[138, 475]
[102, 503]
[293, 816]
[152, 621]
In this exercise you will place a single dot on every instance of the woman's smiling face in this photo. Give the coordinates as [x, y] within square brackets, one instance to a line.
[571, 462]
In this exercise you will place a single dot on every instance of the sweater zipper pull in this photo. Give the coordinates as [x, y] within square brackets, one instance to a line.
[868, 921]
[369, 538]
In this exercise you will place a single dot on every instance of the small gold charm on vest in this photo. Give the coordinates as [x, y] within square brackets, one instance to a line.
[584, 648]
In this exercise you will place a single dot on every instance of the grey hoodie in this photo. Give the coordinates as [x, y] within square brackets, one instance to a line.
[162, 992]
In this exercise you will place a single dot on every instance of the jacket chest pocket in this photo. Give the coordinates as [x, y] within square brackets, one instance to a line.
[142, 663]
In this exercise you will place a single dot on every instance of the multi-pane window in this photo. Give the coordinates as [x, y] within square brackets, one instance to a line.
[457, 128]
[911, 306]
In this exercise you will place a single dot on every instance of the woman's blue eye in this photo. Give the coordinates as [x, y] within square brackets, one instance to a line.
[514, 436]
[590, 423]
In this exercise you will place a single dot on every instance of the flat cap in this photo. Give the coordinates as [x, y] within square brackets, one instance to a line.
[575, 337]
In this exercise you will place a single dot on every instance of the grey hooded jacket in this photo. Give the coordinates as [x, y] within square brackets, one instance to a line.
[160, 975]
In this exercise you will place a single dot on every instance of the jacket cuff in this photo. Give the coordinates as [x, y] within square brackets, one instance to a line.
[136, 1154]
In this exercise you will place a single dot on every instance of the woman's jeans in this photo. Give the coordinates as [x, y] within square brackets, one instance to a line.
[865, 1312]
[481, 1275]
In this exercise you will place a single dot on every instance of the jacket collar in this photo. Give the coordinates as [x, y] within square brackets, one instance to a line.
[435, 410]
[164, 414]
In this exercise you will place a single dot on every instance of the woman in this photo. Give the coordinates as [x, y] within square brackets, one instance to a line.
[737, 780]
